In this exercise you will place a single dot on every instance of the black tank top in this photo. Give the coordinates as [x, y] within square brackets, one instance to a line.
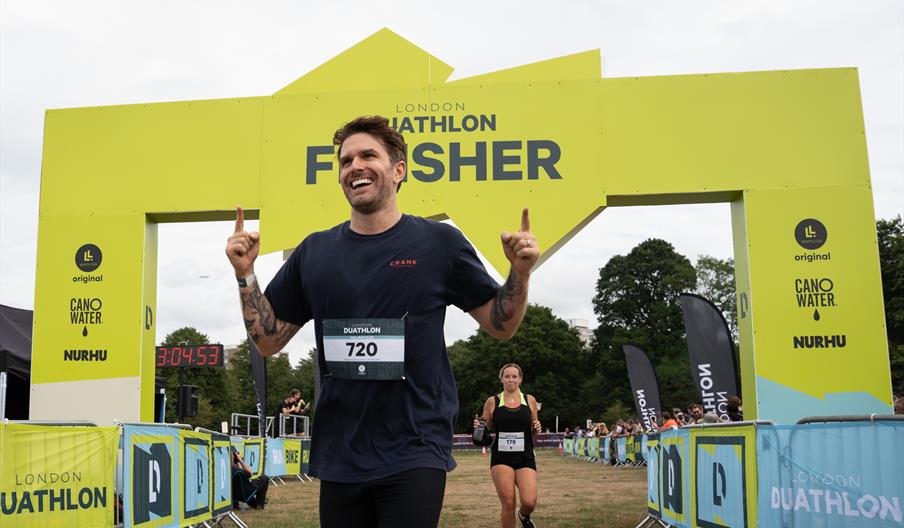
[514, 438]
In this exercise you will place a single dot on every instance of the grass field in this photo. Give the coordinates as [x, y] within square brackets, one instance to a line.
[571, 494]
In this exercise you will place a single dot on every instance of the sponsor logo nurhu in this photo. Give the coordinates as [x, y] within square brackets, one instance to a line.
[83, 354]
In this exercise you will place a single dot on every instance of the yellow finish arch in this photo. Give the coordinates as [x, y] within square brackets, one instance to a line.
[785, 148]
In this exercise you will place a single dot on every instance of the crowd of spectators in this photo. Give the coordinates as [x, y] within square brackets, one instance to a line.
[676, 418]
[696, 414]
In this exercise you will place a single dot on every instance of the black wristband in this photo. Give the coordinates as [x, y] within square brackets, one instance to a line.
[245, 282]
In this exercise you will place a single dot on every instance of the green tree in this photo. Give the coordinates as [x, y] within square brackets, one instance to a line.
[715, 282]
[548, 351]
[890, 234]
[215, 395]
[636, 302]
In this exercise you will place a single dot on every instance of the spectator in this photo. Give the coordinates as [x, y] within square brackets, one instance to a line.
[602, 430]
[735, 412]
[252, 492]
[292, 403]
[710, 418]
[679, 416]
[668, 422]
[696, 412]
[899, 406]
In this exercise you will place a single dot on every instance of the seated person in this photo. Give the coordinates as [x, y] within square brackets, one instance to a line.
[252, 492]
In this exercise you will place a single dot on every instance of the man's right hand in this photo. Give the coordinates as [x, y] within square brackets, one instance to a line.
[242, 247]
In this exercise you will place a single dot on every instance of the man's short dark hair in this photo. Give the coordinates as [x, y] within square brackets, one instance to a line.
[293, 393]
[377, 126]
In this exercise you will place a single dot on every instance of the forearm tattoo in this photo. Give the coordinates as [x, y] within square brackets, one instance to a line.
[261, 321]
[508, 298]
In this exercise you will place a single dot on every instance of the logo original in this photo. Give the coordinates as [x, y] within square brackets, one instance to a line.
[810, 234]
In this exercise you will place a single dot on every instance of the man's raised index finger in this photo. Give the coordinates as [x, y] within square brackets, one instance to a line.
[525, 220]
[239, 219]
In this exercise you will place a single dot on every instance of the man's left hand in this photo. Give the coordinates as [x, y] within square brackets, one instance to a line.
[521, 247]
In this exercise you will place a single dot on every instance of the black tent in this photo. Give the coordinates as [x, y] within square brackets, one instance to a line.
[15, 358]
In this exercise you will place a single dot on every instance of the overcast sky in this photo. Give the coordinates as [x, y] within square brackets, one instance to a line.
[57, 54]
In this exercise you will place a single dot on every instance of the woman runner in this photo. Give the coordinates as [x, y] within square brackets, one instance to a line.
[513, 415]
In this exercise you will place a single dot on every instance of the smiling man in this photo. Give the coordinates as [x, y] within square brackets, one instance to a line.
[377, 288]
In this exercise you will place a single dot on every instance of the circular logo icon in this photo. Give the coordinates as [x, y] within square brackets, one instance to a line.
[361, 369]
[811, 234]
[88, 258]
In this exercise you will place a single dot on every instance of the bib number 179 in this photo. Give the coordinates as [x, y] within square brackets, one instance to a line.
[359, 349]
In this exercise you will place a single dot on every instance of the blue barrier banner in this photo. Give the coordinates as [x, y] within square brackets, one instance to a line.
[831, 475]
[621, 449]
[222, 474]
[593, 447]
[724, 476]
[605, 450]
[675, 473]
[653, 477]
[276, 462]
[151, 460]
[197, 486]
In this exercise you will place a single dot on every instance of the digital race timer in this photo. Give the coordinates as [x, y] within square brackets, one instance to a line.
[190, 356]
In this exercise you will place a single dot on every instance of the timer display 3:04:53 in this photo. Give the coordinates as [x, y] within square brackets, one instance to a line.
[190, 356]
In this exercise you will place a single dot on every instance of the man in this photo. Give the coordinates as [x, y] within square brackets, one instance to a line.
[696, 412]
[292, 403]
[383, 438]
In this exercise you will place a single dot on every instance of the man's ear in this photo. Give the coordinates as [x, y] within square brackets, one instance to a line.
[399, 170]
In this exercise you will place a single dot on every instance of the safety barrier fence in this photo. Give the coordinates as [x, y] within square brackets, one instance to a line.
[752, 474]
[131, 475]
[620, 451]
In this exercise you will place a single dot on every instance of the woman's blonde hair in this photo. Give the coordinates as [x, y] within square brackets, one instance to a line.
[511, 365]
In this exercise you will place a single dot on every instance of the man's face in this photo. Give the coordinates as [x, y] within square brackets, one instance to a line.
[697, 412]
[367, 175]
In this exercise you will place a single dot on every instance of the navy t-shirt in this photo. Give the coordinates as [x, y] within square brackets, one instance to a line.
[366, 430]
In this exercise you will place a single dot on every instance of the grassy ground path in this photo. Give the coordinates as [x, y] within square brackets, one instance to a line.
[571, 494]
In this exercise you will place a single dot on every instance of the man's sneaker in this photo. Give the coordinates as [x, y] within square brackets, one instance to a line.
[526, 522]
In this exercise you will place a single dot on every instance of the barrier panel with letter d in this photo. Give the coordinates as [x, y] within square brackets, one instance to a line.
[746, 475]
[57, 476]
[839, 474]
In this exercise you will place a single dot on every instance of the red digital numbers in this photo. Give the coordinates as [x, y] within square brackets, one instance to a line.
[202, 358]
[190, 356]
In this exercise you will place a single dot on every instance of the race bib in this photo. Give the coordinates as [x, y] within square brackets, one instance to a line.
[365, 349]
[511, 442]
